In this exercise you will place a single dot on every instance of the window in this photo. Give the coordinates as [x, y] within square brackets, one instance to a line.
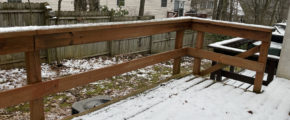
[121, 2]
[203, 5]
[14, 1]
[210, 5]
[163, 3]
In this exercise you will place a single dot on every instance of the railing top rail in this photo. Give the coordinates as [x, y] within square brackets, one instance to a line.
[254, 27]
[40, 30]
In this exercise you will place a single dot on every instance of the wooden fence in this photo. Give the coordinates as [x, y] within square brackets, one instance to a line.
[31, 42]
[20, 14]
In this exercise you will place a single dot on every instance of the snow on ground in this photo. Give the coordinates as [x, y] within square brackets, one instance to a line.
[199, 98]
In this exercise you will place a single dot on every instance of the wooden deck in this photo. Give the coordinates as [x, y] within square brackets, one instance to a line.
[201, 98]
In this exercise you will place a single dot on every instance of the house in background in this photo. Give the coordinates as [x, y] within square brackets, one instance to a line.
[67, 5]
[157, 8]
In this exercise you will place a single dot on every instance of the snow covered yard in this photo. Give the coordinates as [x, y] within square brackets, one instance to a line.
[59, 105]
[203, 99]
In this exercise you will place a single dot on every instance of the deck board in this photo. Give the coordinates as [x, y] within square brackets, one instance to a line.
[200, 98]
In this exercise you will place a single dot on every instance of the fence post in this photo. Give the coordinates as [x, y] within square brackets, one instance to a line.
[33, 69]
[178, 45]
[198, 45]
[262, 59]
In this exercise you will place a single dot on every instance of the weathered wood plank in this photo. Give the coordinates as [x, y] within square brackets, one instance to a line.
[16, 44]
[232, 30]
[219, 66]
[178, 45]
[38, 90]
[34, 76]
[262, 59]
[198, 45]
[83, 37]
[226, 59]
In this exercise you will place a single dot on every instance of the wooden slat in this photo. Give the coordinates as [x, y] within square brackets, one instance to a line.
[178, 45]
[262, 59]
[235, 25]
[83, 37]
[32, 60]
[231, 31]
[38, 90]
[198, 45]
[226, 59]
[219, 66]
[16, 44]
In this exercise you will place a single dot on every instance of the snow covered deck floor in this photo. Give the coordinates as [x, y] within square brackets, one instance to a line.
[203, 99]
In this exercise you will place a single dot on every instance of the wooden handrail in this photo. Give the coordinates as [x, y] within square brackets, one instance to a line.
[31, 41]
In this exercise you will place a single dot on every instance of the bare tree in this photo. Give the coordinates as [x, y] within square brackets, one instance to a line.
[94, 5]
[141, 9]
[80, 5]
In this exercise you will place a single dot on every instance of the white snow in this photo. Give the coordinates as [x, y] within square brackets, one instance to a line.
[52, 27]
[221, 45]
[197, 98]
[273, 44]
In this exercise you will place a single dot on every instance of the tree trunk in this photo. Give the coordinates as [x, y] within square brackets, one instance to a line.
[94, 5]
[231, 10]
[219, 9]
[80, 5]
[141, 9]
[274, 12]
[225, 9]
[214, 9]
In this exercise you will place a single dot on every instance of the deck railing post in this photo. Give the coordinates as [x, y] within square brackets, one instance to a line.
[262, 59]
[178, 45]
[33, 69]
[198, 45]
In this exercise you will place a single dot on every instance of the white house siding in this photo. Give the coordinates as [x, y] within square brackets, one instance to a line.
[152, 7]
[66, 5]
[284, 63]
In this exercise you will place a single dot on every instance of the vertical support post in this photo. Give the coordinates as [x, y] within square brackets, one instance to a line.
[198, 45]
[33, 67]
[262, 59]
[178, 45]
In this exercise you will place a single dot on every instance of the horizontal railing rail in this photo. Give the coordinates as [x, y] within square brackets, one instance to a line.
[32, 40]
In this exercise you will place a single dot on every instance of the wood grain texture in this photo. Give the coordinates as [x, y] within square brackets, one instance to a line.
[263, 60]
[226, 59]
[16, 44]
[198, 45]
[90, 36]
[38, 90]
[232, 31]
[219, 66]
[178, 45]
[34, 76]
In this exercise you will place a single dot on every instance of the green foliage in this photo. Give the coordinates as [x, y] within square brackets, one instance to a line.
[117, 12]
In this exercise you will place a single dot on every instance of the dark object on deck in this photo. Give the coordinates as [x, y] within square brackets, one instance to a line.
[86, 104]
[272, 61]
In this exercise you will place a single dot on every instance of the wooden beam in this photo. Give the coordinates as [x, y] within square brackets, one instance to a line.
[33, 67]
[198, 45]
[226, 59]
[262, 59]
[219, 66]
[38, 90]
[232, 31]
[91, 36]
[16, 44]
[178, 45]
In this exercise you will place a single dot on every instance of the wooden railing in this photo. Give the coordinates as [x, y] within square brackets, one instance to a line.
[32, 41]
